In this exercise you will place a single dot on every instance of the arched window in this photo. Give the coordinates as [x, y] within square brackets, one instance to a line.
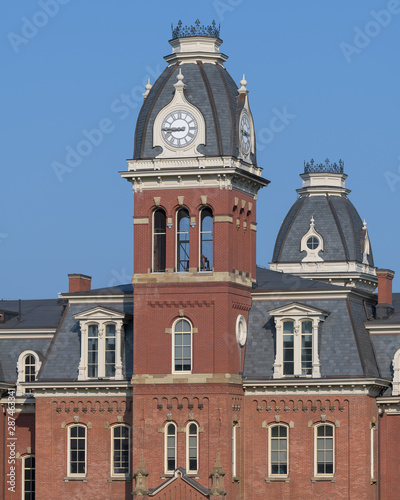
[28, 478]
[192, 451]
[77, 450]
[110, 350]
[278, 450]
[182, 241]
[120, 450]
[396, 373]
[182, 348]
[28, 366]
[306, 347]
[288, 347]
[159, 237]
[206, 240]
[324, 450]
[170, 447]
[93, 351]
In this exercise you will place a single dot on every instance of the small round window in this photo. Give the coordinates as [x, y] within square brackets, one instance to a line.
[312, 243]
[241, 330]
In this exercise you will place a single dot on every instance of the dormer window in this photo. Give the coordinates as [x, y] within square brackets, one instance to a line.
[102, 332]
[297, 328]
[312, 243]
[28, 367]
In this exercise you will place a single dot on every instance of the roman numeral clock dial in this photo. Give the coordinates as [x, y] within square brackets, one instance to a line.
[179, 129]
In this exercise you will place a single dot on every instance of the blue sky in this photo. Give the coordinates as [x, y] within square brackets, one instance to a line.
[332, 67]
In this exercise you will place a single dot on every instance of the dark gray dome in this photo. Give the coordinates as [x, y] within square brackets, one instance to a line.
[336, 220]
[211, 89]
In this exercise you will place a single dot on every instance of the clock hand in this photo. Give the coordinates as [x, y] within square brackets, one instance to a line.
[245, 133]
[174, 129]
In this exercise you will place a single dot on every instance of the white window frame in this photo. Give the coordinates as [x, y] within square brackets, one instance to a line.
[69, 473]
[101, 317]
[298, 313]
[120, 474]
[316, 427]
[173, 346]
[188, 470]
[24, 458]
[396, 374]
[21, 369]
[166, 470]
[235, 426]
[270, 437]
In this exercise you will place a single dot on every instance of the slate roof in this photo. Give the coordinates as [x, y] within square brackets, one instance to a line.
[336, 220]
[211, 89]
[126, 289]
[345, 346]
[275, 280]
[45, 313]
[63, 358]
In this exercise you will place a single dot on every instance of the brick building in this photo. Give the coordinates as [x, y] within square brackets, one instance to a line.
[207, 377]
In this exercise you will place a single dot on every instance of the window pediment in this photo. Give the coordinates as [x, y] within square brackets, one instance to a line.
[296, 309]
[100, 314]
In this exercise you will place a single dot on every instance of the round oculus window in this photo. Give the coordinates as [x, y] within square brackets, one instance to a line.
[241, 330]
[312, 243]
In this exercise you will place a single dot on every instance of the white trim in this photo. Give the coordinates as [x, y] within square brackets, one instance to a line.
[69, 473]
[166, 470]
[373, 430]
[388, 329]
[21, 369]
[396, 374]
[297, 314]
[113, 427]
[270, 475]
[189, 471]
[173, 346]
[234, 451]
[101, 317]
[241, 334]
[316, 426]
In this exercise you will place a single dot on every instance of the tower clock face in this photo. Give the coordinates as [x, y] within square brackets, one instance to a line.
[179, 128]
[245, 133]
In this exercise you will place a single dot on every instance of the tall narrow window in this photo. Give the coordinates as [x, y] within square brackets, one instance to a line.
[77, 450]
[170, 448]
[182, 346]
[29, 478]
[182, 241]
[159, 237]
[324, 447]
[192, 447]
[234, 444]
[306, 347]
[278, 450]
[206, 240]
[30, 368]
[120, 450]
[93, 351]
[110, 351]
[288, 348]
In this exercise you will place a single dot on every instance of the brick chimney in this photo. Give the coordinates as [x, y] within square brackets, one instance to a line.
[384, 308]
[79, 283]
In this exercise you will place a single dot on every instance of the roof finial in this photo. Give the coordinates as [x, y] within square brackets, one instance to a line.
[243, 84]
[312, 221]
[179, 85]
[148, 87]
[364, 225]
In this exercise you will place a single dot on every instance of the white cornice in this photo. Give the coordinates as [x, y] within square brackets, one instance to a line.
[310, 386]
[27, 333]
[382, 329]
[74, 388]
[99, 299]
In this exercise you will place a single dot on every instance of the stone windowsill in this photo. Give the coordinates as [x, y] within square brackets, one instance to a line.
[274, 479]
[118, 478]
[332, 479]
[78, 478]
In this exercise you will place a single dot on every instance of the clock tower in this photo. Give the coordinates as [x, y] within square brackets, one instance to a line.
[195, 180]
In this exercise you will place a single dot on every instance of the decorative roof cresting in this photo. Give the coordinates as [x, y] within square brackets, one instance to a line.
[195, 30]
[325, 167]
